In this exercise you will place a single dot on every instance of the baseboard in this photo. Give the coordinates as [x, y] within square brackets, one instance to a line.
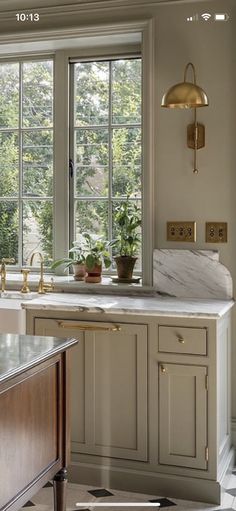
[145, 482]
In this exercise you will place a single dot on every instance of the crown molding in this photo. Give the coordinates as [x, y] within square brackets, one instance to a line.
[70, 33]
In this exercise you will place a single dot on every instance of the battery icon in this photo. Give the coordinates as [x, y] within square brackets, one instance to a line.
[221, 17]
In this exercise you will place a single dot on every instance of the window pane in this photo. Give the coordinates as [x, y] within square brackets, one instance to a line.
[91, 162]
[115, 231]
[9, 164]
[91, 93]
[126, 91]
[126, 150]
[92, 217]
[37, 229]
[38, 163]
[9, 95]
[9, 229]
[38, 94]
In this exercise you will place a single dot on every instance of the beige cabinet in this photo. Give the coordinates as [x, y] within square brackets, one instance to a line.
[183, 415]
[109, 386]
[150, 402]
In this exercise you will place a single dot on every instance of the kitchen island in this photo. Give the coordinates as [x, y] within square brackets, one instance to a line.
[151, 384]
[34, 417]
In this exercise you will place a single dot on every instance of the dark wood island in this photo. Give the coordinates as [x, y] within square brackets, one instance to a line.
[34, 417]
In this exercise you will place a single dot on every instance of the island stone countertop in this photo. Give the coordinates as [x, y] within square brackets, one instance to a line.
[21, 352]
[148, 306]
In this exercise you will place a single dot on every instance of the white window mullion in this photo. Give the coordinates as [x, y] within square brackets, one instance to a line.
[61, 151]
[110, 155]
[72, 155]
[20, 202]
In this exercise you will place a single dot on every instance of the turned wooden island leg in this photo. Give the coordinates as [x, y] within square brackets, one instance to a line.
[59, 490]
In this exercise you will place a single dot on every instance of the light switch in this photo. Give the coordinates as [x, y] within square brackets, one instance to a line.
[216, 232]
[181, 231]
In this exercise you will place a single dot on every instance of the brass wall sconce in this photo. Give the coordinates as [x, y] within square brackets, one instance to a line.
[189, 95]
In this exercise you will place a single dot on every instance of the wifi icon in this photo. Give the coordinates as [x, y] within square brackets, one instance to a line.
[206, 16]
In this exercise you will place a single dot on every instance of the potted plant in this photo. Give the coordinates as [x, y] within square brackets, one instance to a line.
[97, 255]
[127, 221]
[76, 259]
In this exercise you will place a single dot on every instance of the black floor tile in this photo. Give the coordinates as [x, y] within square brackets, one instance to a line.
[163, 502]
[48, 485]
[29, 504]
[232, 491]
[101, 492]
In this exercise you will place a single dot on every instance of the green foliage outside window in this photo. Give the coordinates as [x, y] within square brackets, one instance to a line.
[94, 124]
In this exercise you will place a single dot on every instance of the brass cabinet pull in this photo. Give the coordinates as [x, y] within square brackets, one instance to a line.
[91, 328]
[181, 340]
[163, 369]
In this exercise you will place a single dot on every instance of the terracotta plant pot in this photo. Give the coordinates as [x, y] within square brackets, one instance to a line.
[94, 275]
[125, 266]
[79, 271]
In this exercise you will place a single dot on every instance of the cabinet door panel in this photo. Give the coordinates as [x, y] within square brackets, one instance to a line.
[182, 416]
[80, 434]
[109, 386]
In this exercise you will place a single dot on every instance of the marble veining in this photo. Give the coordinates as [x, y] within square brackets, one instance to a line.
[159, 305]
[191, 274]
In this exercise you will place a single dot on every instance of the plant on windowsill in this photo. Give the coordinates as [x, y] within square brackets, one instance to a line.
[76, 259]
[97, 256]
[87, 256]
[127, 220]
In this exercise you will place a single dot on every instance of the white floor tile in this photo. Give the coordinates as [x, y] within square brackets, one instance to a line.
[43, 500]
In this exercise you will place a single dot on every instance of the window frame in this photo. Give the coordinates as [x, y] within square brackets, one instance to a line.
[110, 199]
[49, 39]
[20, 198]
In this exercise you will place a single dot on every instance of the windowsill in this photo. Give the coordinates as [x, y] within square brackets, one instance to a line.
[69, 285]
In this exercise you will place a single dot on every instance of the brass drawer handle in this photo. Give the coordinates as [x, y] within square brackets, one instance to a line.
[163, 369]
[91, 328]
[181, 340]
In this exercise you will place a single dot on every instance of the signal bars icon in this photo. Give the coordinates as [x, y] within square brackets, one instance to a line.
[193, 18]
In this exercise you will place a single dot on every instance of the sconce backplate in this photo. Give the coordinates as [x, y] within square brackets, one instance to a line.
[200, 136]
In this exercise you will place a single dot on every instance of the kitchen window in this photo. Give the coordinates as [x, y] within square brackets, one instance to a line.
[26, 159]
[44, 203]
[105, 143]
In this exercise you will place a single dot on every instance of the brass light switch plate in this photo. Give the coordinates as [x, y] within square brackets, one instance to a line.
[216, 232]
[181, 231]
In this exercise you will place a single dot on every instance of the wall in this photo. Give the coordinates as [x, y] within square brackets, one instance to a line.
[179, 194]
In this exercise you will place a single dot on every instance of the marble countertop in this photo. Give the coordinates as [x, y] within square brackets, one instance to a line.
[147, 306]
[21, 352]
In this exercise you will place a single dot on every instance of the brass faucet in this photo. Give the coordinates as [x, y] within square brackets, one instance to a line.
[5, 261]
[43, 286]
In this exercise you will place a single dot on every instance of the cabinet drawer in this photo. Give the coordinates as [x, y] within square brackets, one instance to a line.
[175, 339]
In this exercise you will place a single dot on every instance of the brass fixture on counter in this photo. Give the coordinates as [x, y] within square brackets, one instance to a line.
[43, 287]
[25, 288]
[91, 328]
[189, 95]
[5, 261]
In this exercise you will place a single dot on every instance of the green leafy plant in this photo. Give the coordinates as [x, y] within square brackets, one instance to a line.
[89, 250]
[97, 253]
[77, 255]
[127, 221]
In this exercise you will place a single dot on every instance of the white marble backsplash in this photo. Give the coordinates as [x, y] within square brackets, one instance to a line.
[191, 274]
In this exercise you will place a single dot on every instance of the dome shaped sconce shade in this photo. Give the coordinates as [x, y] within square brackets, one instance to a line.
[185, 94]
[189, 95]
